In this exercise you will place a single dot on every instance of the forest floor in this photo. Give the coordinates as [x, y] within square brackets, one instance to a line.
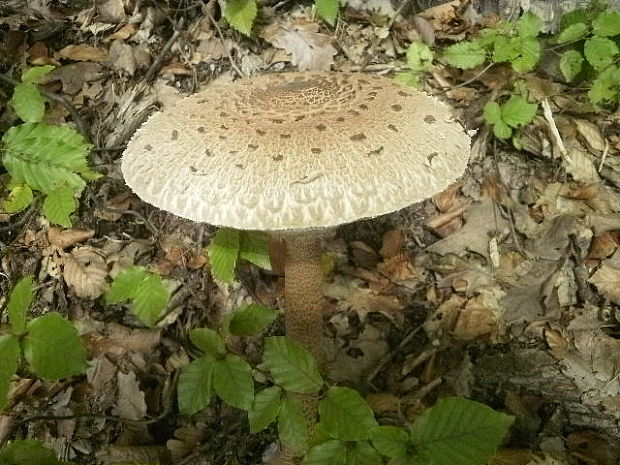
[505, 288]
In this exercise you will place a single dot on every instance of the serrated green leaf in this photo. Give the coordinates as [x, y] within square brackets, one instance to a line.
[20, 300]
[573, 32]
[208, 341]
[223, 252]
[459, 431]
[35, 73]
[251, 319]
[125, 284]
[20, 197]
[501, 130]
[518, 112]
[492, 113]
[53, 348]
[254, 247]
[408, 79]
[59, 205]
[571, 62]
[528, 25]
[264, 409]
[328, 10]
[292, 425]
[9, 358]
[291, 365]
[419, 56]
[195, 386]
[607, 23]
[332, 452]
[600, 51]
[28, 103]
[27, 452]
[506, 48]
[580, 15]
[233, 382]
[465, 55]
[391, 441]
[362, 453]
[345, 414]
[529, 54]
[241, 14]
[150, 300]
[45, 157]
[606, 86]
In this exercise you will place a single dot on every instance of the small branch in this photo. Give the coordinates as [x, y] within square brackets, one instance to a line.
[469, 81]
[548, 114]
[23, 220]
[604, 156]
[156, 65]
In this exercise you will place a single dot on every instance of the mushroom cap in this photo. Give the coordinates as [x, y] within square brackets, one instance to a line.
[296, 151]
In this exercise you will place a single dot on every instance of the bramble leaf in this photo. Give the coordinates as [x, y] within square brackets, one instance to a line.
[529, 54]
[571, 62]
[223, 252]
[241, 14]
[607, 23]
[195, 387]
[529, 25]
[264, 409]
[59, 205]
[27, 452]
[459, 431]
[291, 365]
[345, 414]
[518, 112]
[53, 348]
[251, 319]
[492, 113]
[606, 86]
[600, 51]
[419, 56]
[328, 10]
[408, 79]
[465, 55]
[572, 32]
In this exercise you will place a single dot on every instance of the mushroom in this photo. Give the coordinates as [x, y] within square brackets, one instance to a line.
[297, 154]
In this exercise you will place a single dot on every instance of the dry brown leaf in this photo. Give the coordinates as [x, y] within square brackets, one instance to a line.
[63, 238]
[83, 53]
[309, 49]
[74, 76]
[85, 272]
[607, 281]
[383, 402]
[393, 242]
[122, 57]
[130, 404]
[111, 11]
[591, 134]
[477, 319]
[604, 245]
[123, 33]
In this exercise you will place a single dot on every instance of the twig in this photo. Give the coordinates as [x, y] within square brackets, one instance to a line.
[554, 129]
[386, 358]
[156, 65]
[398, 11]
[604, 156]
[141, 217]
[469, 81]
[23, 220]
[58, 99]
[205, 10]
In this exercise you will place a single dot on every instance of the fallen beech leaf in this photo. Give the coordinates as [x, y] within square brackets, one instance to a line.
[83, 53]
[603, 246]
[130, 404]
[607, 281]
[63, 238]
[85, 272]
[393, 242]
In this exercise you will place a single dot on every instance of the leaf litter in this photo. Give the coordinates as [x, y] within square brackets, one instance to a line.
[513, 272]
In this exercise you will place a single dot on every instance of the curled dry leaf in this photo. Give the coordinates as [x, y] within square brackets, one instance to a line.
[393, 242]
[85, 272]
[83, 53]
[63, 238]
[607, 281]
[130, 404]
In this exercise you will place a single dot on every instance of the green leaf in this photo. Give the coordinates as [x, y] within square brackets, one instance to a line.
[419, 56]
[53, 348]
[233, 381]
[264, 409]
[20, 299]
[59, 205]
[240, 14]
[529, 25]
[35, 73]
[20, 197]
[251, 319]
[362, 453]
[291, 365]
[328, 10]
[573, 32]
[345, 414]
[208, 341]
[459, 431]
[607, 23]
[126, 284]
[580, 15]
[150, 300]
[600, 51]
[506, 48]
[606, 87]
[332, 452]
[254, 247]
[27, 452]
[292, 425]
[391, 441]
[223, 253]
[570, 64]
[28, 103]
[465, 55]
[408, 79]
[492, 113]
[502, 130]
[518, 112]
[529, 54]
[195, 386]
[9, 358]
